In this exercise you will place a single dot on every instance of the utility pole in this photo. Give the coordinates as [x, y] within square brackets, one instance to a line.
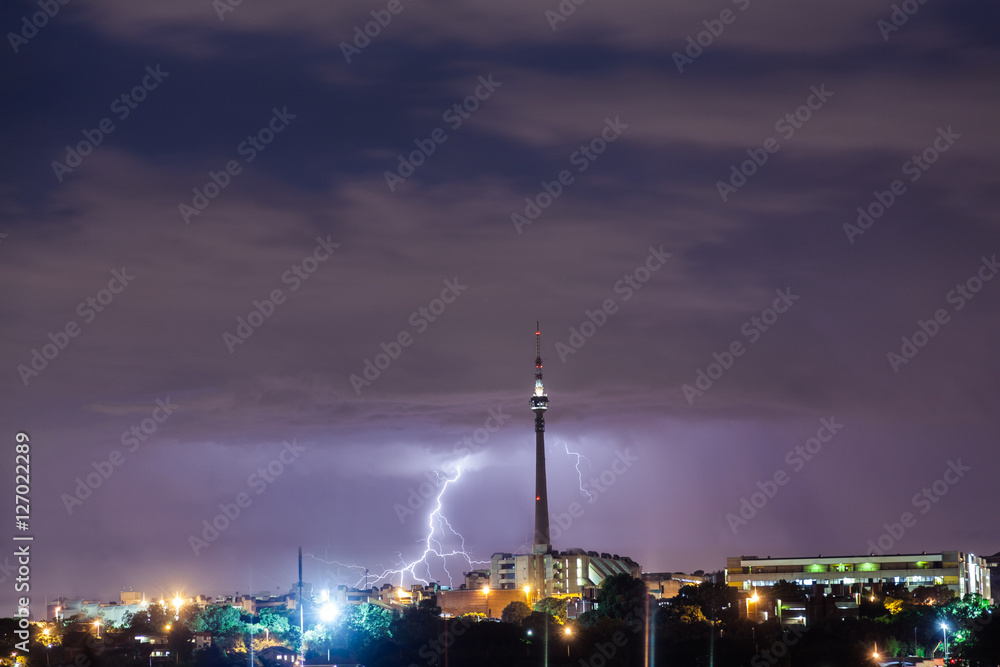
[302, 614]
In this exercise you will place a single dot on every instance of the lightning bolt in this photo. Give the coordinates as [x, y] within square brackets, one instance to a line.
[579, 473]
[439, 531]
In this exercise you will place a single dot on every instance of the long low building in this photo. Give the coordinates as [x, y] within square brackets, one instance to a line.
[961, 572]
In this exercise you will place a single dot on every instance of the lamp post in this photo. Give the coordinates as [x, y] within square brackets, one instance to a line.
[527, 595]
[944, 626]
[47, 644]
[568, 632]
[486, 589]
[750, 599]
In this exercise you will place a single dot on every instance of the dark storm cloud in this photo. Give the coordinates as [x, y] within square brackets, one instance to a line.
[321, 181]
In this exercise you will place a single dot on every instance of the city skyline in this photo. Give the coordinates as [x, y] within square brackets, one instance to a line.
[285, 262]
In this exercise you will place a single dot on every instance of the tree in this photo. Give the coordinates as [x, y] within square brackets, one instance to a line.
[515, 612]
[718, 601]
[622, 596]
[937, 594]
[366, 624]
[153, 618]
[685, 614]
[224, 622]
[554, 606]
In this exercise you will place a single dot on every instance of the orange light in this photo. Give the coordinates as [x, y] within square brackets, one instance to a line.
[538, 497]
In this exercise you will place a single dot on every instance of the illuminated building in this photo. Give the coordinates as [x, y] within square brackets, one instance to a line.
[665, 585]
[834, 584]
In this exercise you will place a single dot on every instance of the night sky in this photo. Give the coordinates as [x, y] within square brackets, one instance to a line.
[675, 212]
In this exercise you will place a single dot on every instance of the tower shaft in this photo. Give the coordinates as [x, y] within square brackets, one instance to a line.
[539, 404]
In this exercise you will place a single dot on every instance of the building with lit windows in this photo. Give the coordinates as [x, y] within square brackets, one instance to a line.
[665, 585]
[845, 575]
[558, 573]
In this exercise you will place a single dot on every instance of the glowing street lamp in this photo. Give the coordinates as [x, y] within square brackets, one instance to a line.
[753, 599]
[486, 589]
[527, 595]
[328, 612]
[97, 624]
[568, 632]
[944, 626]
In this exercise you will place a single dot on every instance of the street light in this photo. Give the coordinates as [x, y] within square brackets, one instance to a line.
[568, 632]
[97, 624]
[178, 603]
[328, 612]
[527, 595]
[944, 626]
[486, 589]
[750, 599]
